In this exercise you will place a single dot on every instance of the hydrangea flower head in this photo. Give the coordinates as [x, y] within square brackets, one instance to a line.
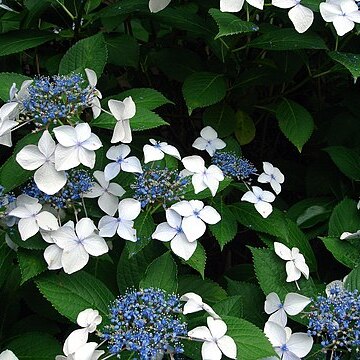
[146, 321]
[335, 319]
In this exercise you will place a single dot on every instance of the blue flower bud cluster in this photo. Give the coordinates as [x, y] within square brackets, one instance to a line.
[233, 165]
[146, 321]
[58, 98]
[5, 200]
[336, 321]
[159, 185]
[78, 182]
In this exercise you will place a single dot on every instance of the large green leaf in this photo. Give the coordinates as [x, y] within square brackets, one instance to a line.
[288, 39]
[350, 61]
[221, 117]
[251, 342]
[70, 294]
[230, 24]
[347, 160]
[6, 258]
[295, 122]
[87, 53]
[17, 41]
[123, 50]
[198, 259]
[353, 280]
[161, 274]
[125, 7]
[6, 81]
[202, 89]
[31, 263]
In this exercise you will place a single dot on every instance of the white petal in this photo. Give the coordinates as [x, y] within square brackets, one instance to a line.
[198, 183]
[87, 317]
[158, 5]
[132, 165]
[194, 163]
[65, 135]
[282, 4]
[126, 231]
[86, 352]
[75, 340]
[48, 179]
[87, 157]
[92, 143]
[182, 247]
[129, 209]
[208, 133]
[65, 237]
[231, 5]
[173, 218]
[295, 303]
[130, 108]
[111, 171]
[200, 143]
[66, 158]
[264, 178]
[108, 203]
[192, 306]
[117, 109]
[301, 265]
[263, 208]
[227, 346]
[279, 317]
[100, 178]
[217, 327]
[209, 215]
[107, 226]
[201, 333]
[275, 333]
[183, 208]
[300, 344]
[95, 191]
[8, 354]
[193, 228]
[164, 232]
[46, 144]
[276, 186]
[116, 189]
[218, 144]
[119, 132]
[210, 351]
[127, 132]
[172, 151]
[329, 12]
[83, 132]
[282, 251]
[302, 18]
[152, 153]
[52, 256]
[91, 76]
[272, 303]
[267, 196]
[95, 245]
[84, 228]
[116, 152]
[250, 197]
[27, 228]
[23, 212]
[348, 6]
[7, 109]
[96, 107]
[30, 157]
[47, 221]
[343, 25]
[211, 181]
[259, 4]
[74, 259]
[292, 272]
[278, 175]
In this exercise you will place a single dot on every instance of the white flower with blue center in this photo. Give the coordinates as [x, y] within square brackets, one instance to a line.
[119, 154]
[209, 141]
[287, 345]
[195, 217]
[173, 232]
[273, 176]
[89, 319]
[157, 150]
[123, 225]
[158, 5]
[42, 159]
[293, 304]
[261, 200]
[108, 193]
[76, 146]
[7, 122]
[95, 102]
[216, 342]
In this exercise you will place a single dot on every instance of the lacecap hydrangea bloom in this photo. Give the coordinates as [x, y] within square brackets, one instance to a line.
[146, 321]
[335, 320]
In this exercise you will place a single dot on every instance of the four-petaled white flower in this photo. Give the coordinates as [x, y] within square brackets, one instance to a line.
[129, 210]
[273, 176]
[301, 16]
[32, 219]
[42, 158]
[342, 13]
[216, 342]
[76, 146]
[108, 193]
[172, 231]
[95, 103]
[203, 177]
[123, 111]
[194, 303]
[348, 235]
[157, 151]
[287, 345]
[89, 319]
[208, 141]
[7, 122]
[8, 355]
[122, 162]
[78, 243]
[261, 199]
[294, 303]
[158, 5]
[236, 5]
[295, 262]
[195, 216]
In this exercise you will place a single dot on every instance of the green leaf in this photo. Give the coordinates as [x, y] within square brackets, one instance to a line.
[347, 160]
[244, 128]
[343, 251]
[202, 89]
[209, 290]
[278, 225]
[70, 294]
[352, 281]
[6, 257]
[20, 40]
[345, 217]
[230, 306]
[350, 61]
[127, 7]
[251, 342]
[131, 270]
[312, 4]
[144, 119]
[198, 260]
[31, 264]
[230, 24]
[288, 39]
[123, 50]
[87, 53]
[225, 230]
[295, 122]
[35, 346]
[6, 81]
[221, 117]
[161, 274]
